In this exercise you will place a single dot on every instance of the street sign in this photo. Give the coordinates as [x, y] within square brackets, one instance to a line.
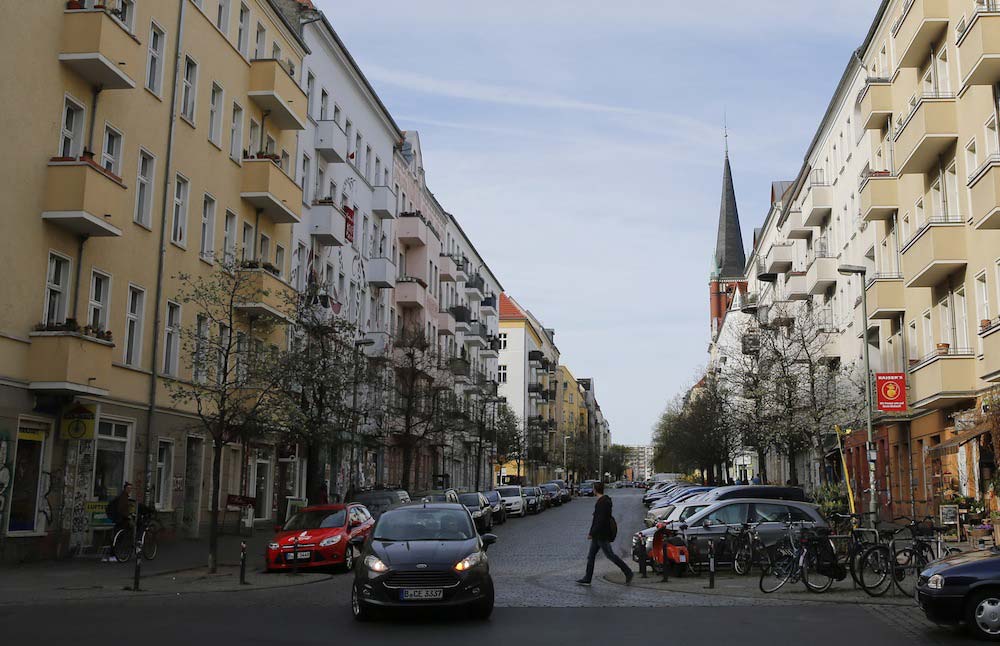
[891, 390]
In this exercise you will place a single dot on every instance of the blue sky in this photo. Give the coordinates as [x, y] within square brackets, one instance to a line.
[579, 142]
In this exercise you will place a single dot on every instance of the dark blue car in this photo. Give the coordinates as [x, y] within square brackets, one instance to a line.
[964, 588]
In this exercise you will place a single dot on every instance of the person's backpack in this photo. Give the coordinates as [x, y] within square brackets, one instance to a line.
[826, 557]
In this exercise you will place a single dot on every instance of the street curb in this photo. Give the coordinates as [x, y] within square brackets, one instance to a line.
[815, 598]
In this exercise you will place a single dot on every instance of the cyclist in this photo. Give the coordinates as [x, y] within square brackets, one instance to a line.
[118, 512]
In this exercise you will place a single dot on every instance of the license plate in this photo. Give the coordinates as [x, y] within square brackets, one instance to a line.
[683, 558]
[302, 556]
[421, 594]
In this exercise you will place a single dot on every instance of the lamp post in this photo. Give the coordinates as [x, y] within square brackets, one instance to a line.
[358, 344]
[871, 452]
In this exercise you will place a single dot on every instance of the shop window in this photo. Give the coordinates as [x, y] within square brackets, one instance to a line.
[26, 513]
[110, 459]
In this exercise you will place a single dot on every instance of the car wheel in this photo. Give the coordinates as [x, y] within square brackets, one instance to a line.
[483, 608]
[349, 558]
[982, 614]
[361, 610]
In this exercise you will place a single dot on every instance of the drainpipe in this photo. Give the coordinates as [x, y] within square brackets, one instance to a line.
[79, 271]
[157, 308]
[93, 118]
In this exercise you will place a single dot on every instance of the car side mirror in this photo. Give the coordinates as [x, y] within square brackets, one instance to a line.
[357, 541]
[682, 526]
[706, 524]
[488, 539]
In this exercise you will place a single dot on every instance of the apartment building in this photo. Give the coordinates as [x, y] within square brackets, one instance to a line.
[571, 422]
[899, 182]
[135, 167]
[639, 458]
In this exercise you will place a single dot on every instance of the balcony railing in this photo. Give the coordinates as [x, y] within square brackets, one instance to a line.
[984, 189]
[926, 131]
[475, 285]
[462, 314]
[99, 48]
[273, 88]
[935, 251]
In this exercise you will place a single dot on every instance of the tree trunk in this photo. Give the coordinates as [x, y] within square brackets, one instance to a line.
[793, 477]
[407, 466]
[213, 518]
[314, 470]
[762, 465]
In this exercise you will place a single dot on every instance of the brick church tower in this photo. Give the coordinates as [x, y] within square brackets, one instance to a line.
[730, 259]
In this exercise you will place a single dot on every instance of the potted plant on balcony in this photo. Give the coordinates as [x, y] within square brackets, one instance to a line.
[984, 324]
[943, 348]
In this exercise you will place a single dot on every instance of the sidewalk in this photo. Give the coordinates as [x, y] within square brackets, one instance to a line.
[728, 584]
[180, 567]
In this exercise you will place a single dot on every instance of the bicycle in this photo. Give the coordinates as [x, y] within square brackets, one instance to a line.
[859, 540]
[122, 545]
[902, 566]
[796, 559]
[750, 550]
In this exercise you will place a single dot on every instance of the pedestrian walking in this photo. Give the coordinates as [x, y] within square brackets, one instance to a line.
[756, 480]
[603, 530]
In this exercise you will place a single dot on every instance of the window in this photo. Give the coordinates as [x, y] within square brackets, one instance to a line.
[265, 248]
[502, 374]
[100, 292]
[260, 48]
[912, 349]
[229, 237]
[56, 289]
[279, 259]
[276, 51]
[154, 60]
[310, 93]
[503, 340]
[982, 302]
[111, 459]
[133, 325]
[336, 113]
[29, 462]
[928, 333]
[178, 231]
[144, 190]
[770, 513]
[285, 160]
[306, 163]
[243, 35]
[126, 14]
[269, 147]
[224, 351]
[207, 249]
[247, 241]
[189, 89]
[947, 322]
[368, 163]
[171, 339]
[236, 133]
[971, 158]
[324, 105]
[222, 16]
[215, 115]
[111, 154]
[163, 478]
[951, 195]
[254, 142]
[734, 514]
[72, 129]
[201, 342]
[961, 319]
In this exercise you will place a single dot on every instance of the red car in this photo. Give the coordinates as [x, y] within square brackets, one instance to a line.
[323, 533]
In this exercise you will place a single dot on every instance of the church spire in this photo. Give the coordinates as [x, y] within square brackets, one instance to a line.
[730, 258]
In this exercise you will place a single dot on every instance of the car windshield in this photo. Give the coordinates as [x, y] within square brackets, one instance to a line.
[469, 499]
[432, 496]
[376, 503]
[319, 519]
[492, 496]
[691, 511]
[530, 491]
[509, 492]
[550, 488]
[422, 524]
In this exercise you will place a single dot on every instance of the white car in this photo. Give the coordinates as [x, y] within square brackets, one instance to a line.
[513, 500]
[678, 512]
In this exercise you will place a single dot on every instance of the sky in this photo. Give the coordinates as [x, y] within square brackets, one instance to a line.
[580, 145]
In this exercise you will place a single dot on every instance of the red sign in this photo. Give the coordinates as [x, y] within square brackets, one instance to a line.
[891, 390]
[349, 223]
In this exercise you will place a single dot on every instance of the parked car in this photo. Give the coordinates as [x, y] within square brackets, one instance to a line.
[676, 511]
[318, 536]
[498, 507]
[587, 488]
[533, 500]
[551, 492]
[564, 492]
[661, 491]
[758, 491]
[480, 508]
[423, 555]
[513, 500]
[436, 495]
[378, 501]
[964, 588]
[680, 493]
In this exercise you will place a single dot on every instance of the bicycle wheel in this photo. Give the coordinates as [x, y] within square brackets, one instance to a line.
[811, 577]
[907, 566]
[854, 562]
[743, 558]
[121, 547]
[778, 572]
[874, 570]
[150, 544]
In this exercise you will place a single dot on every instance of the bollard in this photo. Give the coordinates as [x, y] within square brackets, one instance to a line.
[137, 553]
[295, 556]
[243, 562]
[642, 558]
[711, 564]
[666, 561]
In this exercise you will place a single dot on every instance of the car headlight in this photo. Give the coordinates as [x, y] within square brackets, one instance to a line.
[469, 561]
[936, 582]
[330, 540]
[649, 543]
[477, 514]
[375, 564]
[273, 546]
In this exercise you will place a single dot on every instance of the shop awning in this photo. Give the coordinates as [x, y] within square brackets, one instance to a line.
[951, 446]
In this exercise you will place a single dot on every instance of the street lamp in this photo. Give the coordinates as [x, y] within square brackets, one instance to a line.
[872, 455]
[358, 344]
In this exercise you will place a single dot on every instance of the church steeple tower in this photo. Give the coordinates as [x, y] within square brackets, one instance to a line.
[730, 258]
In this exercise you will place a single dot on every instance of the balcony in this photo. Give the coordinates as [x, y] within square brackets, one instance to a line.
[884, 293]
[383, 203]
[779, 258]
[822, 271]
[492, 349]
[461, 269]
[330, 141]
[100, 50]
[817, 204]
[474, 287]
[69, 363]
[475, 337]
[875, 103]
[921, 24]
[934, 252]
[328, 225]
[989, 337]
[979, 46]
[262, 294]
[269, 189]
[274, 90]
[795, 286]
[446, 323]
[488, 306]
[84, 199]
[929, 130]
[943, 378]
[459, 367]
[411, 292]
[797, 230]
[879, 195]
[412, 231]
[381, 342]
[984, 189]
[380, 272]
[447, 268]
[535, 358]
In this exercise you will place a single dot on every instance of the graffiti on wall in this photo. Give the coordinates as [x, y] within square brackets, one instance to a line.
[5, 476]
[48, 489]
